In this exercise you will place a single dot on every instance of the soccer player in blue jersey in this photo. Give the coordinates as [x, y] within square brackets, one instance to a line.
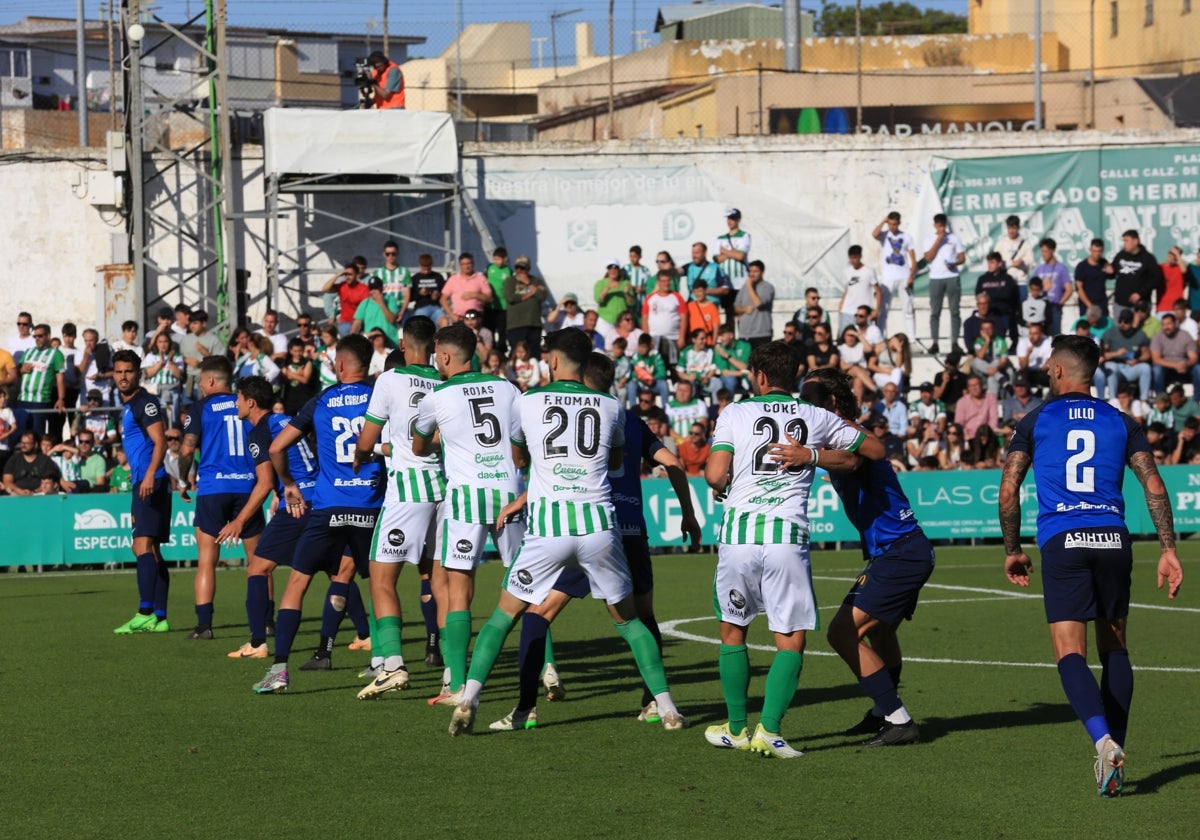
[226, 509]
[1078, 447]
[640, 445]
[899, 562]
[145, 446]
[345, 503]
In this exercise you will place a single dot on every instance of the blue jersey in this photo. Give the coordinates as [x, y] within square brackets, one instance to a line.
[138, 414]
[875, 504]
[640, 445]
[302, 463]
[1079, 446]
[335, 417]
[226, 465]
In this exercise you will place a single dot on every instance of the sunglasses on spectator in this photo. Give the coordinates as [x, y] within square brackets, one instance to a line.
[172, 437]
[663, 262]
[40, 335]
[390, 253]
[24, 323]
[85, 441]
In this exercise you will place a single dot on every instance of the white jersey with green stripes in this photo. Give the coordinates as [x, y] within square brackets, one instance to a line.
[477, 418]
[570, 430]
[683, 415]
[735, 270]
[395, 281]
[395, 400]
[38, 384]
[765, 504]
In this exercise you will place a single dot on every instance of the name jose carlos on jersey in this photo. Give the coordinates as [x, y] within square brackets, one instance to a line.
[342, 400]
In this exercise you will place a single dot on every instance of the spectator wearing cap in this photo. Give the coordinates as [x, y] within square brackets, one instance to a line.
[1173, 357]
[732, 250]
[374, 313]
[1022, 401]
[664, 317]
[194, 347]
[1033, 353]
[1125, 352]
[466, 291]
[754, 305]
[566, 313]
[893, 444]
[976, 408]
[524, 295]
[950, 383]
[927, 409]
[614, 295]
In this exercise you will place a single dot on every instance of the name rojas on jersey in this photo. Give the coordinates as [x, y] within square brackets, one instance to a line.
[765, 504]
[570, 432]
[395, 403]
[476, 416]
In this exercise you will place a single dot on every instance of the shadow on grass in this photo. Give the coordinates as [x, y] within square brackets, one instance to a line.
[1161, 778]
[933, 728]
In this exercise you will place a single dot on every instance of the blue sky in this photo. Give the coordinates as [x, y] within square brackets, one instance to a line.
[435, 21]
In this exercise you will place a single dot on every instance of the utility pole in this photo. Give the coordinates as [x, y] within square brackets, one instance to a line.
[1037, 65]
[858, 50]
[133, 31]
[458, 80]
[81, 74]
[222, 154]
[612, 129]
[1092, 61]
[385, 29]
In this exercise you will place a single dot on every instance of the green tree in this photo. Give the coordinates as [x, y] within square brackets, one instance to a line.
[887, 19]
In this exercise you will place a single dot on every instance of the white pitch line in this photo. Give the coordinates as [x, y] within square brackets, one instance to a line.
[670, 628]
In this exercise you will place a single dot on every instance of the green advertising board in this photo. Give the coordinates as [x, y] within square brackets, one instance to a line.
[1073, 197]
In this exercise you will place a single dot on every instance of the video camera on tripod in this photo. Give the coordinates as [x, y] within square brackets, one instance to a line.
[364, 80]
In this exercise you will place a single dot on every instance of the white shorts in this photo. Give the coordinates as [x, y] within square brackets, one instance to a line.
[775, 579]
[460, 545]
[404, 532]
[599, 556]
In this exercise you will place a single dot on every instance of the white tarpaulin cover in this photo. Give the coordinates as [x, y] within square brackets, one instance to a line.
[393, 141]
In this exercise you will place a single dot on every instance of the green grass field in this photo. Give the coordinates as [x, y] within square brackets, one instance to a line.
[108, 736]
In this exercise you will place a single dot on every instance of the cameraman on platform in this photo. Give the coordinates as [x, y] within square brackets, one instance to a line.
[388, 91]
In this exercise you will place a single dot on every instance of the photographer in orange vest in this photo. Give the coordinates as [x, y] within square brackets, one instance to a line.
[389, 81]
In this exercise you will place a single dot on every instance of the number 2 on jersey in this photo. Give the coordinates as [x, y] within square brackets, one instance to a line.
[796, 429]
[1081, 479]
[587, 432]
[347, 429]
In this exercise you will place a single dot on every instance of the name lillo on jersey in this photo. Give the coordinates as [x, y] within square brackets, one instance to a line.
[1081, 414]
[1089, 539]
[347, 399]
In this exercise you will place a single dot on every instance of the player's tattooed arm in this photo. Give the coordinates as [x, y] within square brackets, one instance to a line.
[1015, 468]
[1157, 500]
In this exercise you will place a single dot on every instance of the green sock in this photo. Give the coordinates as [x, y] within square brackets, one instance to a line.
[455, 638]
[385, 638]
[550, 650]
[488, 644]
[645, 653]
[782, 680]
[734, 668]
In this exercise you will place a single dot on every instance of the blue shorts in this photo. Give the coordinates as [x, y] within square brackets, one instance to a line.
[1086, 574]
[890, 585]
[216, 510]
[152, 516]
[278, 541]
[330, 533]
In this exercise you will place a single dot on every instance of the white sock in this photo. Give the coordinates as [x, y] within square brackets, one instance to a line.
[899, 717]
[665, 704]
[393, 663]
[376, 661]
[446, 676]
[471, 692]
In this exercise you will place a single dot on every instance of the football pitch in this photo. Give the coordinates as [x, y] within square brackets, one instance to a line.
[111, 736]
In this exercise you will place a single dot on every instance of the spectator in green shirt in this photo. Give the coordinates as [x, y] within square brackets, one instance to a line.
[614, 295]
[649, 371]
[373, 313]
[93, 469]
[120, 479]
[495, 313]
[524, 294]
[732, 359]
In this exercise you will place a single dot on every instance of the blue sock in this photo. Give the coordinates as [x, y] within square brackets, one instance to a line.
[895, 673]
[286, 625]
[429, 610]
[357, 611]
[1083, 694]
[652, 625]
[204, 614]
[1116, 690]
[256, 608]
[531, 658]
[331, 616]
[162, 587]
[270, 616]
[881, 688]
[147, 572]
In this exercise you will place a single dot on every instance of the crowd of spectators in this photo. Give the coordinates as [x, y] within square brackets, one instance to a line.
[680, 336]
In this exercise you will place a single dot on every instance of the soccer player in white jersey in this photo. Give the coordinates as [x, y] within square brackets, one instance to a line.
[415, 487]
[570, 436]
[762, 556]
[476, 418]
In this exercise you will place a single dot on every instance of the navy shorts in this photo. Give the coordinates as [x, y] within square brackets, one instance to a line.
[637, 552]
[278, 541]
[328, 534]
[890, 585]
[152, 516]
[573, 582]
[216, 510]
[1086, 574]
